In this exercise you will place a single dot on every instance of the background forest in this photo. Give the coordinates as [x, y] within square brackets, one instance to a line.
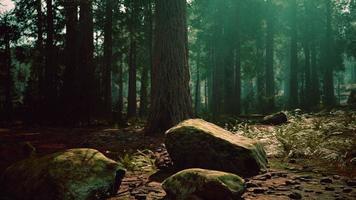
[80, 61]
[88, 87]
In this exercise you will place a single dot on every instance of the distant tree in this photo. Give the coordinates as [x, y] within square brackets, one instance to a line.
[293, 96]
[270, 85]
[108, 42]
[132, 26]
[329, 60]
[71, 73]
[86, 62]
[146, 67]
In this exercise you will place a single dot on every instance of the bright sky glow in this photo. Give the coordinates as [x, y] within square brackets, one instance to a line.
[6, 5]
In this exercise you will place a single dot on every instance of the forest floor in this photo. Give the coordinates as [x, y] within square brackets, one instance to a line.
[311, 157]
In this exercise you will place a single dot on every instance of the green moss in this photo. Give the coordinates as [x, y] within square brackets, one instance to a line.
[203, 183]
[72, 174]
[196, 143]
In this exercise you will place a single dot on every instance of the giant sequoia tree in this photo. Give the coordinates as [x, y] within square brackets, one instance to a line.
[171, 101]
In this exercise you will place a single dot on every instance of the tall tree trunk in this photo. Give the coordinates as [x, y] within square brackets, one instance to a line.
[270, 85]
[9, 82]
[218, 83]
[51, 68]
[210, 81]
[238, 84]
[87, 78]
[132, 96]
[132, 104]
[171, 101]
[108, 59]
[71, 73]
[329, 96]
[307, 55]
[120, 98]
[197, 87]
[293, 97]
[307, 81]
[314, 73]
[260, 74]
[34, 90]
[314, 69]
[148, 64]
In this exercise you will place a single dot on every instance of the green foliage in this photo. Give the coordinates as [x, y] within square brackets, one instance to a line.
[139, 161]
[325, 137]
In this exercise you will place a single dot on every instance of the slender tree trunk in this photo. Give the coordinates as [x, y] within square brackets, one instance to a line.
[71, 73]
[197, 87]
[206, 94]
[293, 97]
[34, 90]
[219, 99]
[307, 71]
[148, 64]
[329, 96]
[51, 68]
[144, 92]
[260, 75]
[120, 99]
[9, 82]
[210, 80]
[237, 79]
[270, 85]
[315, 91]
[87, 78]
[108, 59]
[132, 96]
[171, 101]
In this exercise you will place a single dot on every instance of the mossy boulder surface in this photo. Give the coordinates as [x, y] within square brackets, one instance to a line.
[196, 143]
[79, 174]
[203, 184]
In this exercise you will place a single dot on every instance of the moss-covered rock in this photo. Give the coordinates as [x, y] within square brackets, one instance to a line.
[78, 174]
[196, 143]
[275, 119]
[203, 184]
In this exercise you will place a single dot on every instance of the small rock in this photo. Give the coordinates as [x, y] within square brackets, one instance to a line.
[292, 161]
[305, 178]
[353, 161]
[275, 119]
[347, 190]
[329, 189]
[140, 196]
[270, 192]
[259, 190]
[263, 177]
[326, 180]
[282, 189]
[298, 187]
[295, 195]
[336, 177]
[279, 174]
[290, 182]
[351, 183]
[252, 184]
[308, 190]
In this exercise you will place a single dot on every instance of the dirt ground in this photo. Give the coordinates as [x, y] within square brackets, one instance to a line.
[285, 179]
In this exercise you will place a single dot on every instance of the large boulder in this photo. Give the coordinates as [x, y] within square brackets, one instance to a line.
[75, 174]
[203, 184]
[196, 143]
